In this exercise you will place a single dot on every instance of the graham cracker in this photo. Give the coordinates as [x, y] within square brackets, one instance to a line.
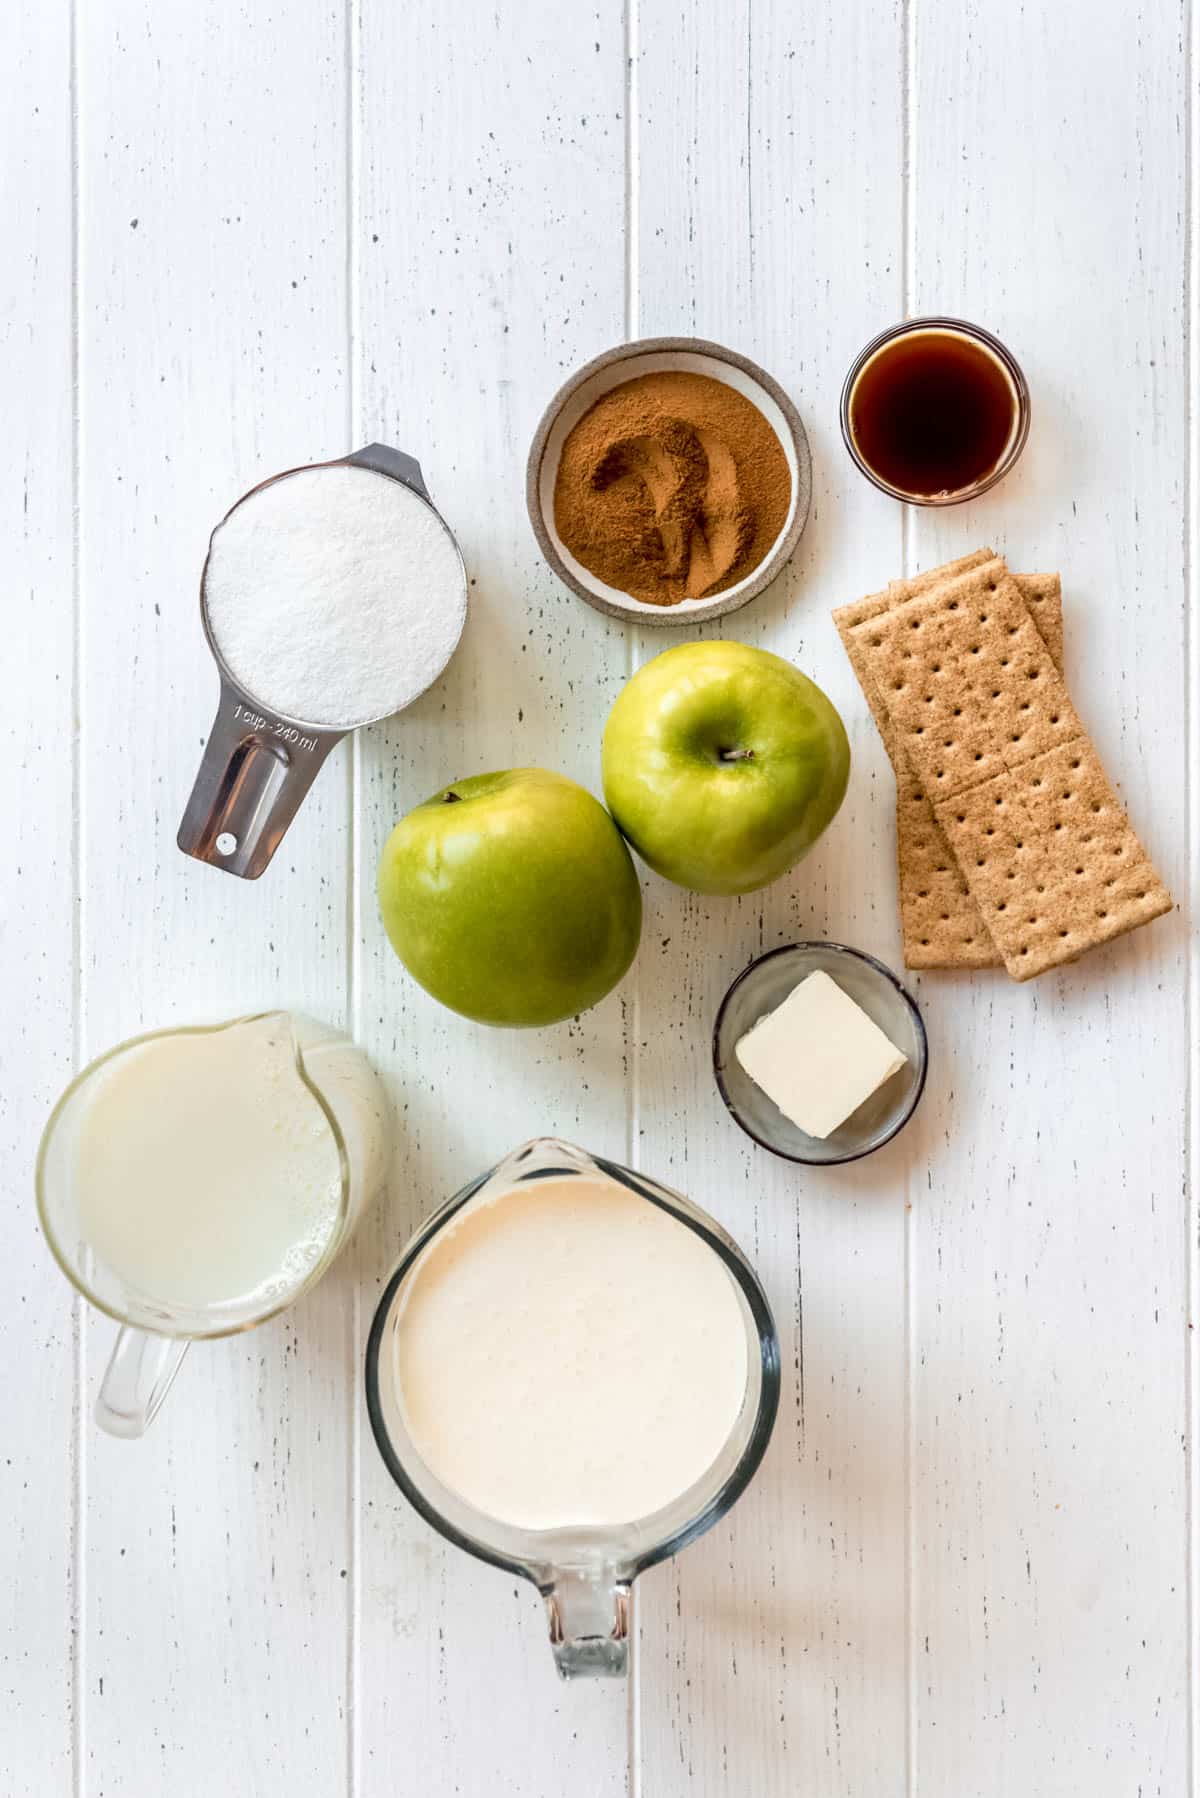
[994, 739]
[910, 585]
[1042, 593]
[1053, 861]
[967, 680]
[941, 925]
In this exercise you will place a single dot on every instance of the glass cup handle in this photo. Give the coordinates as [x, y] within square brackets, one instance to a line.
[589, 1623]
[137, 1379]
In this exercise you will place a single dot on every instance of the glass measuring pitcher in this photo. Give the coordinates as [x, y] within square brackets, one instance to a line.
[584, 1572]
[183, 1217]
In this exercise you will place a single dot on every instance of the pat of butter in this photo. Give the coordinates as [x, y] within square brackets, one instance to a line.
[818, 1056]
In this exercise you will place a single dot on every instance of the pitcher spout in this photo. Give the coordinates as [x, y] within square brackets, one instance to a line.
[542, 1158]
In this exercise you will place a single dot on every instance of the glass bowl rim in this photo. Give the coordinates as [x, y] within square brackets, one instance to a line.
[952, 326]
[922, 1036]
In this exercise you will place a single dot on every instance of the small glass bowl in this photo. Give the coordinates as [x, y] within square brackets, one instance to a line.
[761, 988]
[955, 327]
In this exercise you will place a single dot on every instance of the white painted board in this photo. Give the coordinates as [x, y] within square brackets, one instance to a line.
[239, 240]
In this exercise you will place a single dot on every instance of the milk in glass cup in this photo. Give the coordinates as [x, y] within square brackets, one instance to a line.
[193, 1182]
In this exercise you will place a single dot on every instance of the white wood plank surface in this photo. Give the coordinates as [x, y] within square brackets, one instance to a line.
[39, 1327]
[773, 1654]
[485, 138]
[1049, 1483]
[238, 240]
[213, 352]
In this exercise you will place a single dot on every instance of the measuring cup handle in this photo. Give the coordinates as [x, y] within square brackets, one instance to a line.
[137, 1379]
[589, 1622]
[386, 460]
[257, 768]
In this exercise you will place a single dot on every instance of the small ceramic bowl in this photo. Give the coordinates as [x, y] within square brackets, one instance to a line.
[763, 986]
[652, 355]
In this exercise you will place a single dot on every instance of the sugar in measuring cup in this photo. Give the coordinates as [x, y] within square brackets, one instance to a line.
[571, 1374]
[193, 1182]
[332, 596]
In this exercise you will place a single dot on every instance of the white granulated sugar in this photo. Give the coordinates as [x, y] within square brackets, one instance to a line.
[335, 595]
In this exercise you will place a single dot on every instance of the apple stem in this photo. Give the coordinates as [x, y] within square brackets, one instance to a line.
[736, 755]
[451, 798]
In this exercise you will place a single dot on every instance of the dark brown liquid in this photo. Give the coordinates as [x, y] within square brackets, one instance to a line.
[932, 414]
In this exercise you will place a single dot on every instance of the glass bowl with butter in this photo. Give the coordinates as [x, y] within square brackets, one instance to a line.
[820, 1053]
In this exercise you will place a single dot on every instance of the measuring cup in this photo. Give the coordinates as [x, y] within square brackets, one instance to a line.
[259, 763]
[583, 1574]
[154, 1337]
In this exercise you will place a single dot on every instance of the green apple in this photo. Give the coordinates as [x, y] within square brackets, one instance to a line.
[722, 765]
[511, 897]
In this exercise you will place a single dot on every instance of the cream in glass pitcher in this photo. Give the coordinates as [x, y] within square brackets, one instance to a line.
[546, 1325]
[571, 1374]
[193, 1182]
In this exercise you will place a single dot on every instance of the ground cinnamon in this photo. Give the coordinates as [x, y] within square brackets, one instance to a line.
[673, 486]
